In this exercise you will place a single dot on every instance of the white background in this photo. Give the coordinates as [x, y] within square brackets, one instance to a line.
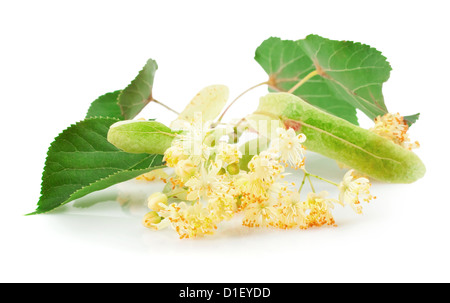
[58, 56]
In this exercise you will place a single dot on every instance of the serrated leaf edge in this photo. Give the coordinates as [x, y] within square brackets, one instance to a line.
[47, 155]
[90, 106]
[119, 172]
[132, 81]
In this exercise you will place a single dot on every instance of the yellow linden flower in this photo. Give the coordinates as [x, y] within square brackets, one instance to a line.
[174, 153]
[289, 145]
[190, 143]
[394, 128]
[209, 177]
[265, 167]
[157, 201]
[190, 221]
[152, 175]
[354, 189]
[185, 169]
[292, 211]
[250, 183]
[151, 219]
[222, 208]
[227, 153]
[260, 212]
[193, 138]
[261, 179]
[318, 210]
[207, 183]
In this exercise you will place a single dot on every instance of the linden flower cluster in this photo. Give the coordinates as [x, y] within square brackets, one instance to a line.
[394, 128]
[208, 186]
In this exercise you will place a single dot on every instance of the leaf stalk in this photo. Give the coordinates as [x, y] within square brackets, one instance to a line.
[301, 82]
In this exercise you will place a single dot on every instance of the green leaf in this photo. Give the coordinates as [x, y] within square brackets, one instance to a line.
[411, 119]
[139, 93]
[81, 161]
[286, 64]
[345, 75]
[126, 104]
[355, 72]
[106, 106]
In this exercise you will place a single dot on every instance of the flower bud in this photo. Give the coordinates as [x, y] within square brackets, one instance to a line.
[185, 169]
[151, 218]
[155, 199]
[174, 154]
[210, 140]
[233, 169]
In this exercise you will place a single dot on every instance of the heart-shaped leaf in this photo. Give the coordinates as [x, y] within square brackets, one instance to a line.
[336, 76]
[286, 64]
[81, 161]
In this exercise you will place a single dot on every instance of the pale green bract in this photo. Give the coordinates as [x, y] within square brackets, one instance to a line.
[336, 138]
[134, 136]
[209, 102]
